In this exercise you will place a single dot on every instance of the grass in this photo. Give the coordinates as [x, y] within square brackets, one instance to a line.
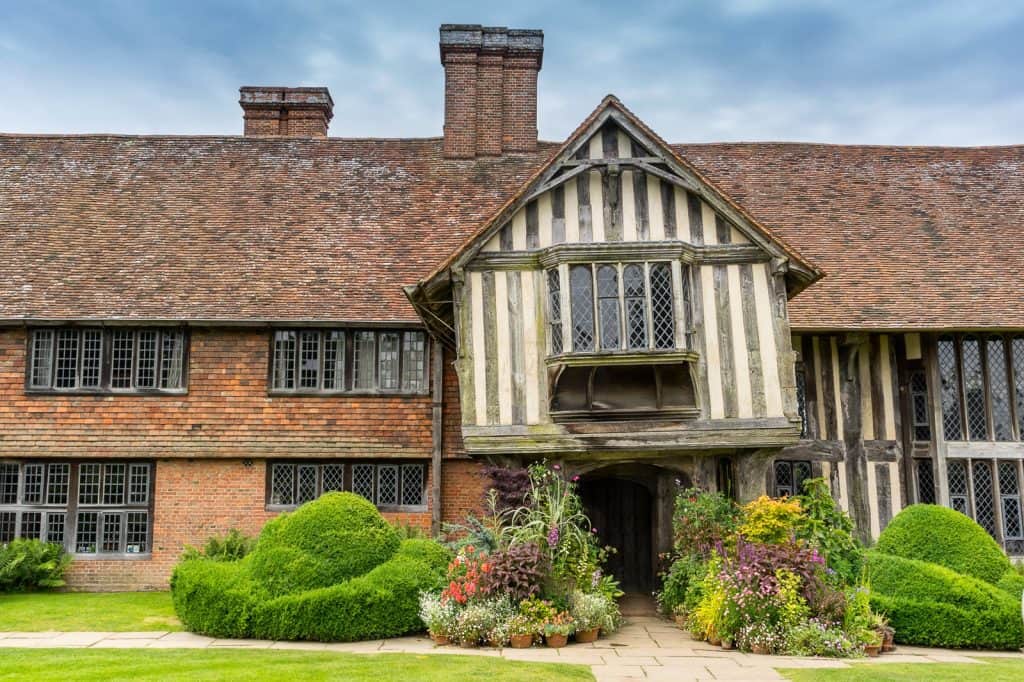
[83, 611]
[40, 665]
[987, 670]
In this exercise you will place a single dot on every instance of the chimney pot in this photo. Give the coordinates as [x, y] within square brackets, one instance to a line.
[279, 112]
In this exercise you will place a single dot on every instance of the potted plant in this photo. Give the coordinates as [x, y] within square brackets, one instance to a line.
[679, 616]
[521, 629]
[880, 624]
[872, 642]
[558, 629]
[439, 615]
[588, 612]
[473, 624]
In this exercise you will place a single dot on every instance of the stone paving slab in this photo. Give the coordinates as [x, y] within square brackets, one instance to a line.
[645, 648]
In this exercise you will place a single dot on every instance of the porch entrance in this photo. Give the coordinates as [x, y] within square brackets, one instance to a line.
[622, 511]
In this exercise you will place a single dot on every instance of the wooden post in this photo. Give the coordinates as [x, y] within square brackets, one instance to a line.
[437, 362]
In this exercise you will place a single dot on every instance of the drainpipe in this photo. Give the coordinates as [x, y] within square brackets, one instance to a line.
[437, 360]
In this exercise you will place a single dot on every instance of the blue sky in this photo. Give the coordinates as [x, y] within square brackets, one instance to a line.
[853, 71]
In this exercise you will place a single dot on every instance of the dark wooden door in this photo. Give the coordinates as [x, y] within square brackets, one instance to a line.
[621, 512]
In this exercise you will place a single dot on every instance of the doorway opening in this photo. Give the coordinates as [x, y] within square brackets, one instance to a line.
[622, 511]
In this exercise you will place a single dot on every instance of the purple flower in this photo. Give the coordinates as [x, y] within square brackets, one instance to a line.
[596, 578]
[575, 478]
[553, 536]
[557, 467]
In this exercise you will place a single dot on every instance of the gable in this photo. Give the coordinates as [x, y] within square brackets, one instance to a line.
[605, 193]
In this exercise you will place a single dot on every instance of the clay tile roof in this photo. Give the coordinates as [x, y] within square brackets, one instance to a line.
[232, 228]
[910, 237]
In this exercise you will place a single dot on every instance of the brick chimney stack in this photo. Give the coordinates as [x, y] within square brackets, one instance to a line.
[490, 89]
[286, 112]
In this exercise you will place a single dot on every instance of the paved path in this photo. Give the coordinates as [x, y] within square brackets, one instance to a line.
[646, 647]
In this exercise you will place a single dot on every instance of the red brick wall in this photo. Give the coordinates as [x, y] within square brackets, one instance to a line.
[193, 500]
[226, 413]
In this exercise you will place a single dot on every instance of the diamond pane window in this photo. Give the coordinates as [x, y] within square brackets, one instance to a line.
[42, 358]
[57, 486]
[998, 388]
[412, 484]
[783, 479]
[113, 484]
[32, 525]
[282, 484]
[1017, 357]
[89, 484]
[333, 477]
[387, 485]
[925, 481]
[919, 405]
[363, 360]
[635, 299]
[957, 475]
[146, 364]
[974, 389]
[362, 480]
[950, 390]
[662, 308]
[1009, 495]
[801, 398]
[387, 358]
[309, 360]
[984, 504]
[285, 348]
[32, 488]
[608, 306]
[92, 358]
[414, 361]
[554, 311]
[334, 361]
[581, 288]
[307, 488]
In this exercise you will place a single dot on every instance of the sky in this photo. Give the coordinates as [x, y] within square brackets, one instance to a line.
[855, 71]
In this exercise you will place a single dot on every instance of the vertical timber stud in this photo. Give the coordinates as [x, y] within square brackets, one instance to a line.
[437, 360]
[856, 457]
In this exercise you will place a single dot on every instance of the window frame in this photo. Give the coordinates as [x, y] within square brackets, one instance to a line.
[71, 508]
[348, 475]
[106, 360]
[347, 336]
[791, 465]
[955, 376]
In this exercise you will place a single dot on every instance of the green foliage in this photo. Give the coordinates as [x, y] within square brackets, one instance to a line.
[376, 586]
[322, 543]
[826, 527]
[702, 520]
[407, 531]
[943, 536]
[1012, 583]
[932, 605]
[817, 639]
[27, 565]
[683, 573]
[771, 520]
[231, 547]
[589, 611]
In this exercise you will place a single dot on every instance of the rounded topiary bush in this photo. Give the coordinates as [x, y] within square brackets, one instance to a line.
[322, 543]
[946, 537]
[333, 570]
[931, 605]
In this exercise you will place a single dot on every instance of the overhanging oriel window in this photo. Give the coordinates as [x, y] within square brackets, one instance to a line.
[614, 307]
[109, 359]
[343, 360]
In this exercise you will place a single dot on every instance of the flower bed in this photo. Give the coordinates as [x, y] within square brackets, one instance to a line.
[777, 576]
[525, 574]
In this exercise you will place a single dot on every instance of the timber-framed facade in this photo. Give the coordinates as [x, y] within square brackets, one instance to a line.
[389, 316]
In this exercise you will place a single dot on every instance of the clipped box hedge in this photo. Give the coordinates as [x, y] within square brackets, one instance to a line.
[931, 605]
[333, 570]
[946, 537]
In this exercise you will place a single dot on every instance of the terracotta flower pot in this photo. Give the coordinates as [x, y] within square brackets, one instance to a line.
[872, 650]
[587, 636]
[521, 641]
[556, 641]
[680, 620]
[888, 643]
[760, 650]
[713, 640]
[469, 644]
[441, 640]
[727, 644]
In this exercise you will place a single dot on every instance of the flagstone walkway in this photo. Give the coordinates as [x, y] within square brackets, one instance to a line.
[646, 647]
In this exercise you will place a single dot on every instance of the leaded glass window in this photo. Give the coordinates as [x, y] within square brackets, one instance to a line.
[950, 390]
[956, 471]
[387, 357]
[662, 306]
[984, 505]
[285, 343]
[608, 306]
[363, 360]
[581, 287]
[555, 310]
[146, 363]
[635, 299]
[309, 359]
[386, 484]
[334, 361]
[790, 477]
[1009, 499]
[921, 424]
[925, 481]
[998, 388]
[414, 362]
[42, 359]
[66, 375]
[1017, 357]
[122, 358]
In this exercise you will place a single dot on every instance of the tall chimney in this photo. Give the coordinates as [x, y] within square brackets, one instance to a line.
[490, 89]
[291, 112]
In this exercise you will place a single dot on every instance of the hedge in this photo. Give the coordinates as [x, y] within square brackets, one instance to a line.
[336, 538]
[1012, 583]
[943, 536]
[931, 605]
[213, 597]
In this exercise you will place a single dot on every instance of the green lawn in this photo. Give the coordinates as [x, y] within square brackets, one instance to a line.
[990, 670]
[202, 664]
[81, 611]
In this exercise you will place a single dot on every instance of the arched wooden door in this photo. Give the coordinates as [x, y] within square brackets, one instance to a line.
[622, 512]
